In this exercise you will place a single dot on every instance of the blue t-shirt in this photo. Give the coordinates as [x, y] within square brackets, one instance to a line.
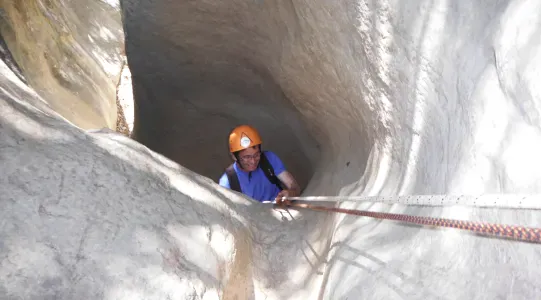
[256, 184]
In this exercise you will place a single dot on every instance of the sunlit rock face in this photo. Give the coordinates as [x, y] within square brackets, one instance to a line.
[70, 52]
[359, 98]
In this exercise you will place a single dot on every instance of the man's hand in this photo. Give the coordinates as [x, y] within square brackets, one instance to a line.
[284, 193]
[293, 189]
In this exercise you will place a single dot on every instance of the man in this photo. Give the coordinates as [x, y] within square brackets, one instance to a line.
[258, 174]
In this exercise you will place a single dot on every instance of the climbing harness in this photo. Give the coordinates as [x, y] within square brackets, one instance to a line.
[503, 231]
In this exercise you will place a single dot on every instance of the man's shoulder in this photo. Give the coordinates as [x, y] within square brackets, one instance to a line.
[270, 155]
[275, 161]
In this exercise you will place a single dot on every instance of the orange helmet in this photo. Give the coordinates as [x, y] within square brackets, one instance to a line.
[243, 137]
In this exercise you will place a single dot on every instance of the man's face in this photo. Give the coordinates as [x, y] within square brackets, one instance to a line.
[249, 158]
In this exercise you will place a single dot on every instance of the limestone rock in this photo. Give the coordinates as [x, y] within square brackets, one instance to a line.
[99, 216]
[70, 52]
[364, 98]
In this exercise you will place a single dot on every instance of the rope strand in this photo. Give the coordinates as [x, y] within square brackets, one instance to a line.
[510, 201]
[506, 231]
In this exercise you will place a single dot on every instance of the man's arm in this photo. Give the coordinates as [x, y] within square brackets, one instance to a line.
[292, 187]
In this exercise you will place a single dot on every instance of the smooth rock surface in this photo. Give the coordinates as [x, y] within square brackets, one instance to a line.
[70, 52]
[99, 216]
[384, 98]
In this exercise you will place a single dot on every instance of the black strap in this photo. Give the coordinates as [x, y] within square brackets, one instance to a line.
[233, 179]
[267, 168]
